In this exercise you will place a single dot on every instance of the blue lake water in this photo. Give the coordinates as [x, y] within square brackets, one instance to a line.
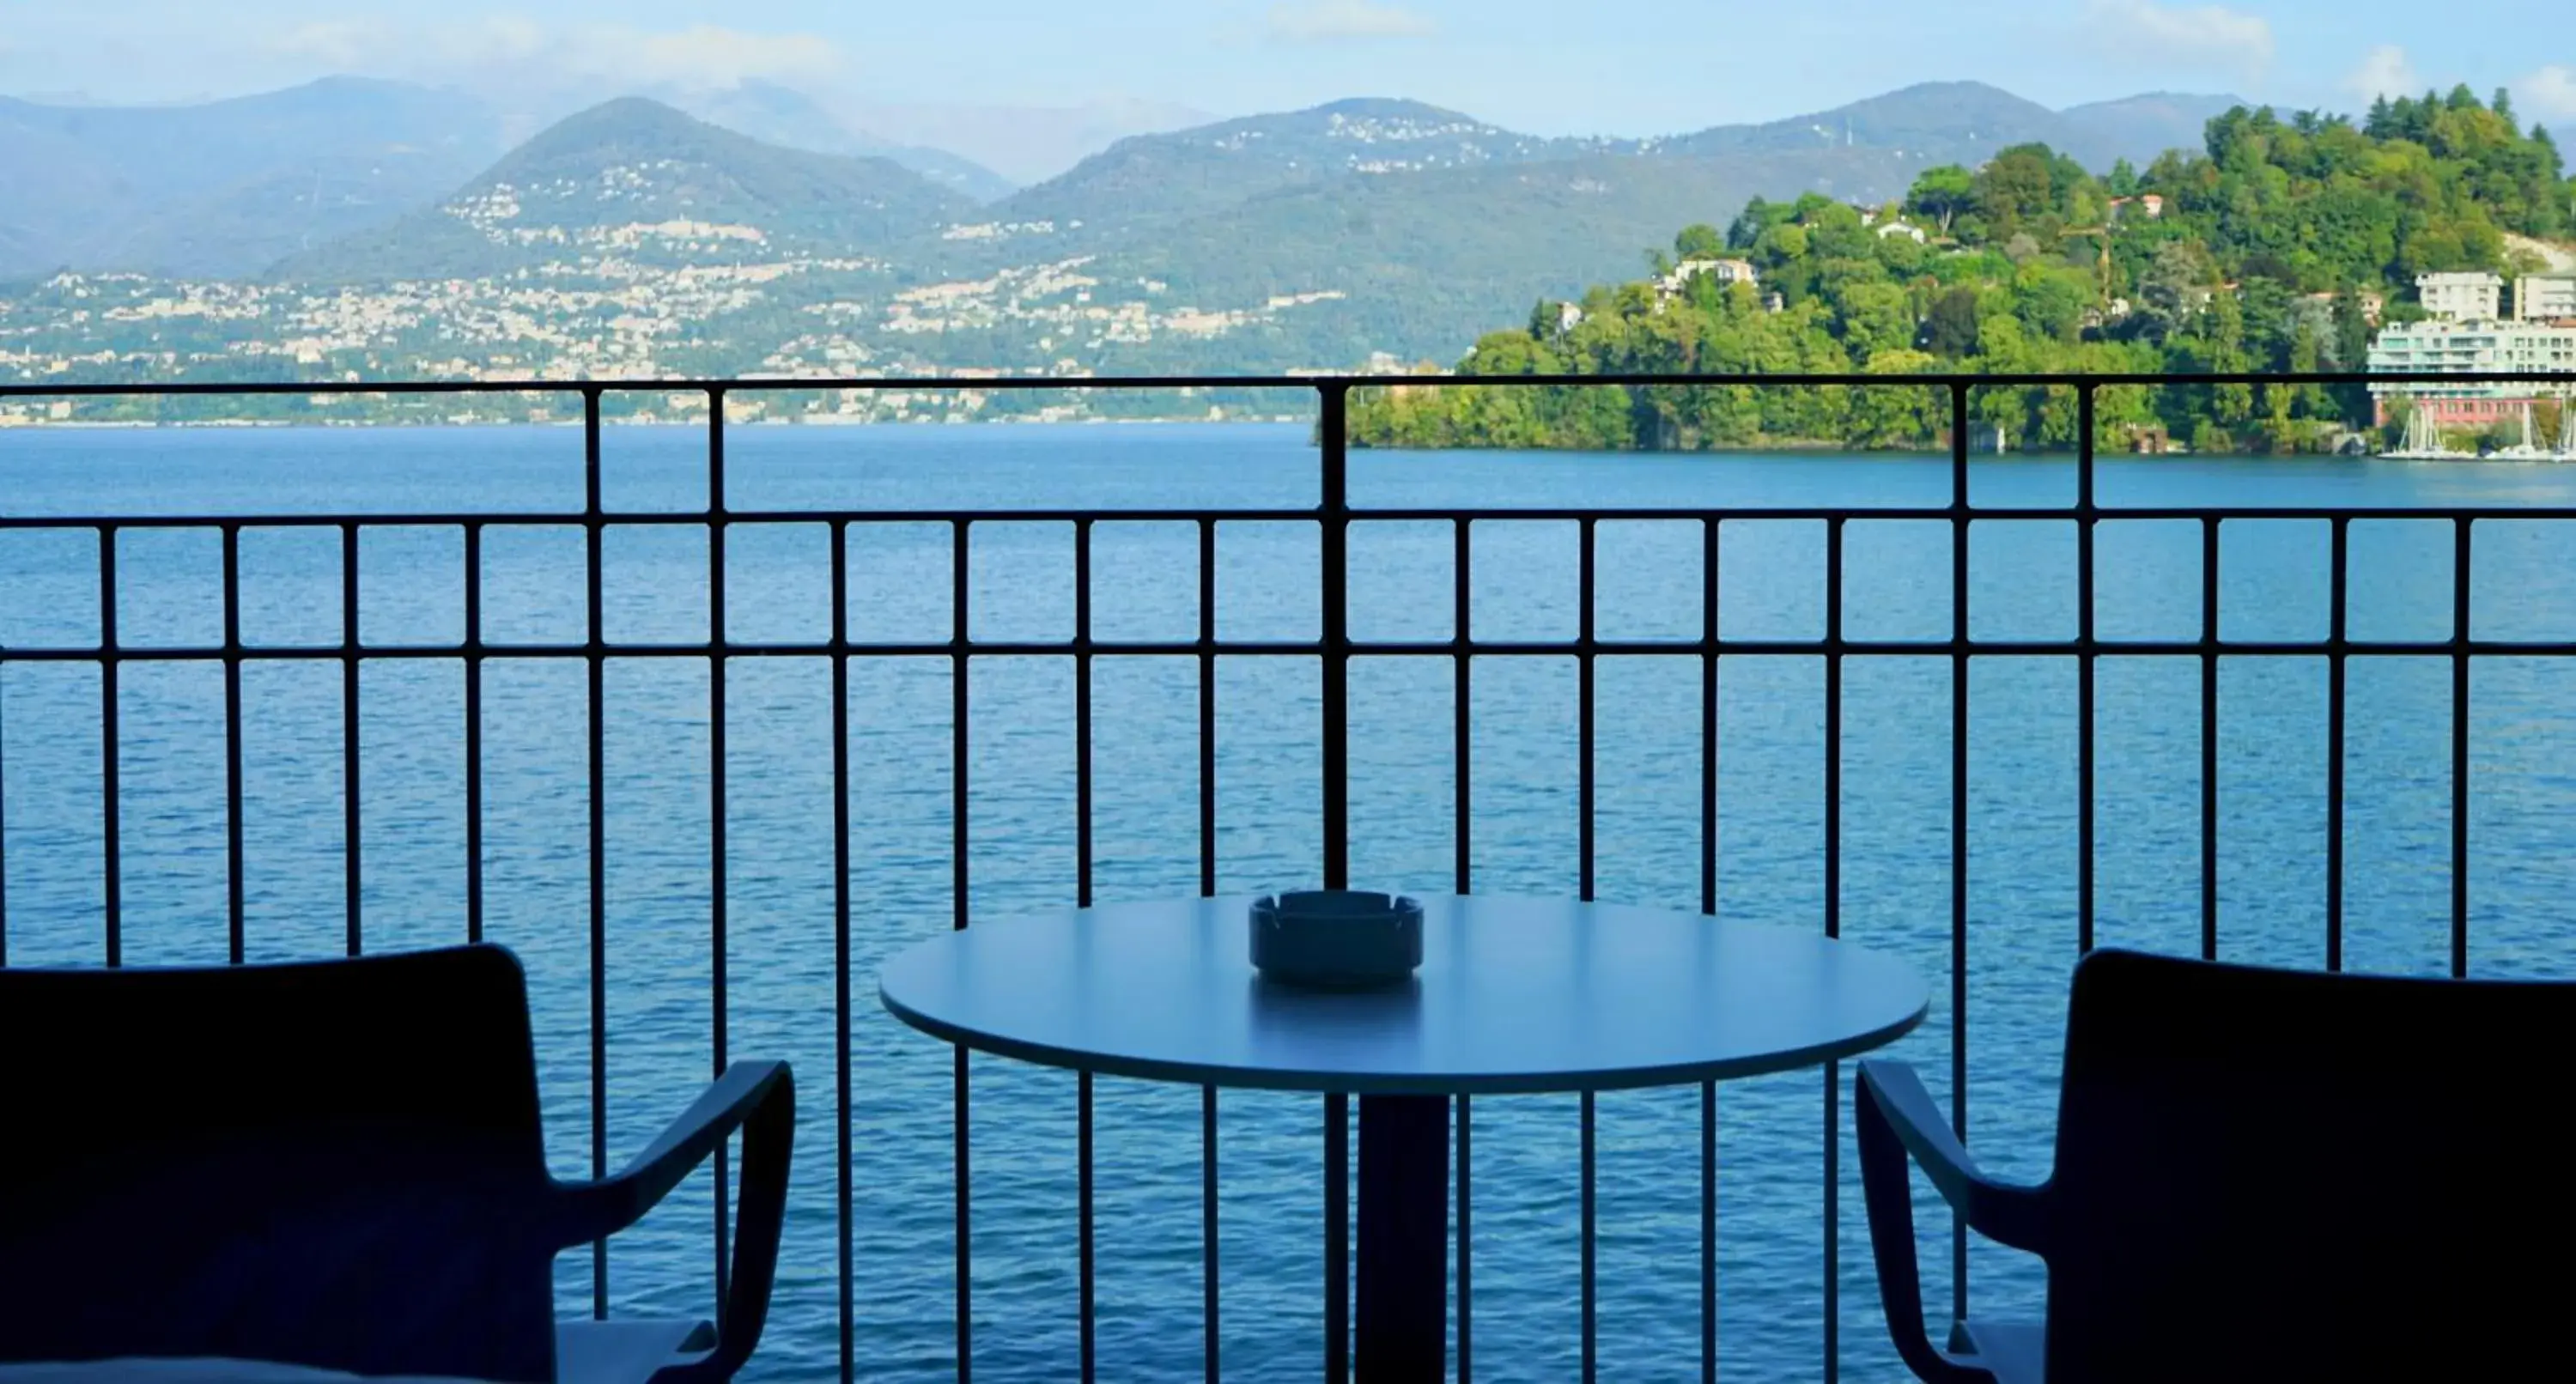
[2021, 813]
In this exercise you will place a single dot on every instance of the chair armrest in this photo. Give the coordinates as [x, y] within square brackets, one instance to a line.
[602, 1208]
[2002, 1212]
[1896, 1119]
[759, 1099]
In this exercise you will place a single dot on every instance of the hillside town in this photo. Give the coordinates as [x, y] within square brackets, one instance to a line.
[606, 312]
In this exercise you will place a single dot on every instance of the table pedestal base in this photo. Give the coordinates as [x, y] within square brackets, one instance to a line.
[1403, 1317]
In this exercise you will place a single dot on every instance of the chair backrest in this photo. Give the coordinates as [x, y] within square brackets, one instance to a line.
[2269, 1175]
[336, 1164]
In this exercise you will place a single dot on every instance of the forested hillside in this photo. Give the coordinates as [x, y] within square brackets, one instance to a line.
[2279, 246]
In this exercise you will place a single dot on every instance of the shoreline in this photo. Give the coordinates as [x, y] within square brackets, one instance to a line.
[353, 425]
[1821, 450]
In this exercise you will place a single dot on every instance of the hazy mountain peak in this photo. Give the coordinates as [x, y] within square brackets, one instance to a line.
[782, 115]
[2167, 100]
[622, 117]
[636, 180]
[1354, 118]
[1967, 121]
[1185, 172]
[1390, 108]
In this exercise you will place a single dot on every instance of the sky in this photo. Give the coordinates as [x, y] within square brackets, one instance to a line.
[1626, 67]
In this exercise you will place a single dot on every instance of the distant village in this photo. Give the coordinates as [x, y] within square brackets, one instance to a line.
[622, 304]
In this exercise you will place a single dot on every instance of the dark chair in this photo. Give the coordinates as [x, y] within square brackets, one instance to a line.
[2263, 1176]
[336, 1165]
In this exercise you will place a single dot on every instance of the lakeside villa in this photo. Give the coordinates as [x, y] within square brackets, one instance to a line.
[2471, 331]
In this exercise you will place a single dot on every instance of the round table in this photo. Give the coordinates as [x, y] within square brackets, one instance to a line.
[1514, 995]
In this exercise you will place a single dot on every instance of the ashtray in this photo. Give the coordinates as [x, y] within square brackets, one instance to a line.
[1336, 939]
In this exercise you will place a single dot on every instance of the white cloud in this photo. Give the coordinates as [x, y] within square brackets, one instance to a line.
[2202, 35]
[2549, 93]
[1328, 21]
[2384, 71]
[508, 48]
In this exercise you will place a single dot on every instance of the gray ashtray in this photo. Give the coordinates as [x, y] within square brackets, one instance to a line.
[1336, 939]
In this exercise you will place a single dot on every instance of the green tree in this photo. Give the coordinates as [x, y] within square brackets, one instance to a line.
[2175, 284]
[1699, 242]
[2014, 190]
[1941, 193]
[1950, 329]
[2050, 302]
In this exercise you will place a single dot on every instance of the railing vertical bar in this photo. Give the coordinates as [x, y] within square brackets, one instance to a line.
[4, 806]
[2085, 516]
[2209, 739]
[844, 1223]
[1209, 1292]
[718, 1013]
[1333, 516]
[1207, 1233]
[593, 528]
[1709, 529]
[1082, 1200]
[1587, 776]
[2461, 567]
[1088, 1247]
[1082, 781]
[351, 838]
[112, 864]
[1337, 1232]
[234, 937]
[1462, 745]
[473, 732]
[1207, 706]
[1462, 818]
[1833, 928]
[1587, 798]
[2335, 668]
[960, 536]
[1959, 819]
[1591, 1299]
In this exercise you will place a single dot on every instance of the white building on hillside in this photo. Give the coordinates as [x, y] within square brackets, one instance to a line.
[2544, 297]
[2472, 297]
[1724, 271]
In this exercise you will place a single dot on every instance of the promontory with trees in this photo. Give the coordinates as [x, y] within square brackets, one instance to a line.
[2281, 246]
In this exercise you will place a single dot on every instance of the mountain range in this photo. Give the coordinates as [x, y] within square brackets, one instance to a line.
[231, 188]
[1304, 238]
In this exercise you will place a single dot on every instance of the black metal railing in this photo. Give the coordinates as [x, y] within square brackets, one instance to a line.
[1335, 648]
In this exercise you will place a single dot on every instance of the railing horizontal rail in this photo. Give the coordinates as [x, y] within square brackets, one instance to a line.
[1408, 648]
[1321, 382]
[2022, 513]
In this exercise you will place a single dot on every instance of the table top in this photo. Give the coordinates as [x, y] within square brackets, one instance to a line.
[1514, 995]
